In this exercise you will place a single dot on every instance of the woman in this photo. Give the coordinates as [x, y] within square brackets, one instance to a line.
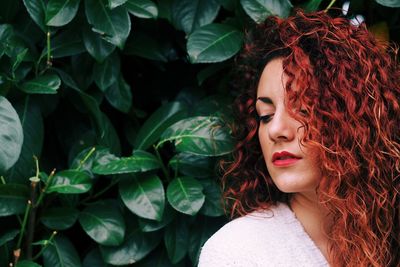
[315, 175]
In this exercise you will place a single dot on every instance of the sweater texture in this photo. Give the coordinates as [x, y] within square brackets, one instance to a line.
[273, 237]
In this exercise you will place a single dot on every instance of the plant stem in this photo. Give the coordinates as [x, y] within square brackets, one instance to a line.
[48, 241]
[330, 5]
[17, 250]
[48, 50]
[86, 158]
[164, 169]
[48, 182]
[3, 181]
[32, 216]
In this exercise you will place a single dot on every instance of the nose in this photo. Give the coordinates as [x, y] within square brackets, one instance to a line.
[282, 127]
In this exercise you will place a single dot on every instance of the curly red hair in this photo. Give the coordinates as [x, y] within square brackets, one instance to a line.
[349, 85]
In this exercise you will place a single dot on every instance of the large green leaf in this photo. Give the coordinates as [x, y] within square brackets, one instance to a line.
[193, 165]
[176, 240]
[13, 199]
[147, 225]
[60, 218]
[37, 11]
[11, 135]
[61, 253]
[114, 25]
[6, 31]
[70, 182]
[46, 84]
[145, 9]
[311, 5]
[61, 12]
[8, 236]
[67, 43]
[200, 135]
[143, 195]
[104, 223]
[97, 47]
[119, 95]
[188, 15]
[389, 3]
[213, 43]
[32, 124]
[259, 10]
[94, 259]
[136, 246]
[156, 124]
[115, 3]
[101, 155]
[185, 194]
[26, 263]
[107, 72]
[213, 202]
[140, 161]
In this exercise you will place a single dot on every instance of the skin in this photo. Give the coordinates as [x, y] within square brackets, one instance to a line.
[278, 132]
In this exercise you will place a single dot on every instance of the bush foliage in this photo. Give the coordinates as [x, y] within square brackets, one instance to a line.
[110, 129]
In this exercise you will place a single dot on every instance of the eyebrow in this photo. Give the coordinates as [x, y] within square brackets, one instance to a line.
[265, 100]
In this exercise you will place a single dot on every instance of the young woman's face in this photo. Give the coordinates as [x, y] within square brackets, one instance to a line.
[292, 166]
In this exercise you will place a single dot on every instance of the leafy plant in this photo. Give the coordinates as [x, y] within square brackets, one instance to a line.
[110, 130]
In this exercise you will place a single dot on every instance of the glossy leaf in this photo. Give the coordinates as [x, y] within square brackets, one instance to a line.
[8, 236]
[67, 43]
[193, 165]
[61, 253]
[185, 195]
[144, 195]
[199, 135]
[94, 259]
[32, 125]
[11, 135]
[61, 12]
[60, 218]
[37, 11]
[188, 15]
[147, 225]
[213, 43]
[46, 84]
[176, 240]
[115, 3]
[145, 9]
[140, 161]
[312, 5]
[104, 223]
[70, 182]
[156, 124]
[26, 263]
[119, 95]
[101, 155]
[136, 246]
[259, 10]
[107, 72]
[5, 32]
[213, 202]
[389, 3]
[97, 47]
[114, 25]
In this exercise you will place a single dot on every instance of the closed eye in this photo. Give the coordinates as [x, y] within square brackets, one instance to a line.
[265, 118]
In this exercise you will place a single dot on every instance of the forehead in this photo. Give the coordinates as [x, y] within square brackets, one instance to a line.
[272, 79]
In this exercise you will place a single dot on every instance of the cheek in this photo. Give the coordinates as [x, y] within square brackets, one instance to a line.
[263, 139]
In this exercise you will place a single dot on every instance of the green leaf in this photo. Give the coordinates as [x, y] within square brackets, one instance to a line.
[176, 240]
[212, 206]
[104, 223]
[193, 165]
[389, 3]
[67, 43]
[115, 3]
[107, 72]
[37, 11]
[185, 195]
[8, 236]
[70, 182]
[26, 263]
[259, 10]
[200, 135]
[13, 199]
[146, 46]
[147, 225]
[136, 246]
[61, 253]
[101, 155]
[140, 161]
[144, 195]
[11, 135]
[61, 12]
[6, 31]
[213, 43]
[145, 9]
[59, 218]
[312, 5]
[188, 15]
[94, 259]
[46, 84]
[156, 124]
[97, 47]
[114, 25]
[119, 95]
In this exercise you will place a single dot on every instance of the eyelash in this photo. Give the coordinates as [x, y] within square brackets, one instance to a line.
[265, 118]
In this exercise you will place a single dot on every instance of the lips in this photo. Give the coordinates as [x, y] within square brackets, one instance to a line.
[284, 158]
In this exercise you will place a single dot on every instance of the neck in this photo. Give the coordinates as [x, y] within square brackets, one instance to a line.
[314, 218]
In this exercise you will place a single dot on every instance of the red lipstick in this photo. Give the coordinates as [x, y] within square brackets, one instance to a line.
[284, 158]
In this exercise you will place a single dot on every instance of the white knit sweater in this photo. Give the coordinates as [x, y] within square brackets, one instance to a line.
[262, 238]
